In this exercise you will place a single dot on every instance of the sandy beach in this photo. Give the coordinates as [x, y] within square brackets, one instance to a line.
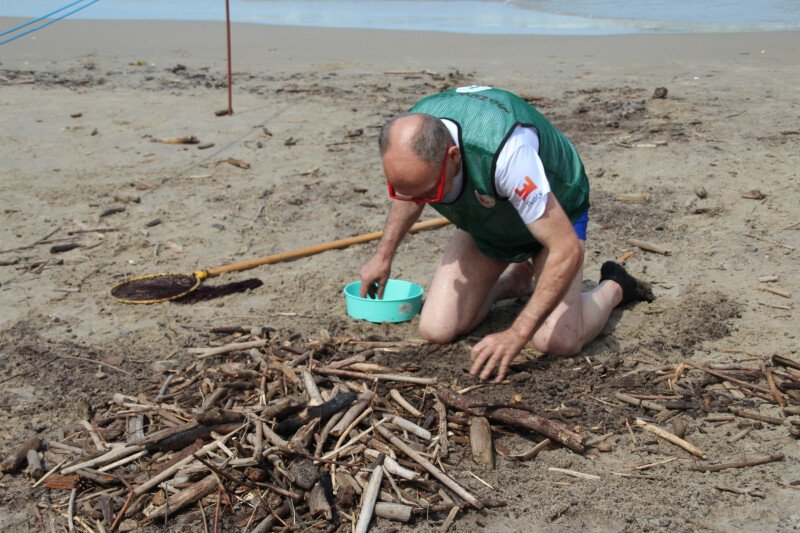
[712, 167]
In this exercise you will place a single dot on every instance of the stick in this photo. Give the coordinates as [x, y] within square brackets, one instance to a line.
[441, 414]
[747, 492]
[480, 440]
[95, 436]
[314, 396]
[71, 509]
[121, 512]
[339, 448]
[649, 247]
[732, 379]
[351, 414]
[785, 361]
[451, 516]
[777, 292]
[573, 473]
[398, 512]
[403, 378]
[168, 472]
[741, 464]
[647, 404]
[396, 396]
[774, 388]
[369, 497]
[34, 464]
[124, 461]
[49, 473]
[16, 459]
[742, 434]
[634, 197]
[533, 452]
[392, 466]
[203, 353]
[35, 243]
[106, 458]
[764, 239]
[358, 358]
[411, 427]
[178, 501]
[758, 416]
[427, 465]
[551, 429]
[669, 437]
[651, 465]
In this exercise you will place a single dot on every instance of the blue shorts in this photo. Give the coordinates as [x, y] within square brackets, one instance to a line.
[580, 225]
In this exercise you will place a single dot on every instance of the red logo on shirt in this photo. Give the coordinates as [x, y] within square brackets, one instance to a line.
[526, 189]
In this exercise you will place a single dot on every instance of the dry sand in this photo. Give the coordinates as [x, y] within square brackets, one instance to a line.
[729, 124]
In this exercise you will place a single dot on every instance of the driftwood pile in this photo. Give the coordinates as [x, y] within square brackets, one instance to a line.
[277, 438]
[264, 435]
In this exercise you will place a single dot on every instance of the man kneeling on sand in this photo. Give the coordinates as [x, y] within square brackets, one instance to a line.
[517, 191]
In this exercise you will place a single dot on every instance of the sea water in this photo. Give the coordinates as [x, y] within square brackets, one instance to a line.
[572, 17]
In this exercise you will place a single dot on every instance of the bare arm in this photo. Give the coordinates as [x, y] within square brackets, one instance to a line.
[402, 216]
[563, 257]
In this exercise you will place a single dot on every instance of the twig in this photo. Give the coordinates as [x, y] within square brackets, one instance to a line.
[411, 427]
[758, 416]
[369, 497]
[770, 241]
[741, 464]
[203, 353]
[427, 465]
[647, 404]
[747, 492]
[71, 509]
[481, 480]
[649, 247]
[742, 434]
[451, 516]
[121, 511]
[34, 244]
[403, 378]
[573, 473]
[777, 292]
[168, 472]
[669, 437]
[726, 377]
[665, 461]
[396, 396]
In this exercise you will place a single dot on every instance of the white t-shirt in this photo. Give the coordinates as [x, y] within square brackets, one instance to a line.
[519, 175]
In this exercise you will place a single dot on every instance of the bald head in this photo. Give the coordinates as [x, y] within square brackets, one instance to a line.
[418, 134]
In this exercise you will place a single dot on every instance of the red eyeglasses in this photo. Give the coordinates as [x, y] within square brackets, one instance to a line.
[422, 200]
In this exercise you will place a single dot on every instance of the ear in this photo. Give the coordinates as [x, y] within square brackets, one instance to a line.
[454, 154]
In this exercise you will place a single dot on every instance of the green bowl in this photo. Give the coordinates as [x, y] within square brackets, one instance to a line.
[402, 300]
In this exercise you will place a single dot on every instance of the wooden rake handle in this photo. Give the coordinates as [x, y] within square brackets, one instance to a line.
[317, 248]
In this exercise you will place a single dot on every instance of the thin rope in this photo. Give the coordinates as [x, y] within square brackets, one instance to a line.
[14, 38]
[34, 21]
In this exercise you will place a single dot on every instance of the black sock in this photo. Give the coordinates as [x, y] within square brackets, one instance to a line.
[633, 290]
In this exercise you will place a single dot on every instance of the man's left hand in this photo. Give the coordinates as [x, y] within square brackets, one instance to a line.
[496, 350]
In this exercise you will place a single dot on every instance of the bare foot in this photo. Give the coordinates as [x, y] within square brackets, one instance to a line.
[516, 281]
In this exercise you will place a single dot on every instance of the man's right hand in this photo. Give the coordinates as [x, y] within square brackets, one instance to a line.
[374, 275]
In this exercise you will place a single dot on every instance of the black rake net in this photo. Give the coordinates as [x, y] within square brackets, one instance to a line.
[156, 288]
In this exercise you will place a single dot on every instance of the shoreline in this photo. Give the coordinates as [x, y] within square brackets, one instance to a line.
[258, 42]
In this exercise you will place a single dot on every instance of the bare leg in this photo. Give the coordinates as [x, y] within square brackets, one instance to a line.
[463, 288]
[579, 317]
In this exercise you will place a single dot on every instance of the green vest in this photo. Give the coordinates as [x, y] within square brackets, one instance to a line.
[485, 118]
